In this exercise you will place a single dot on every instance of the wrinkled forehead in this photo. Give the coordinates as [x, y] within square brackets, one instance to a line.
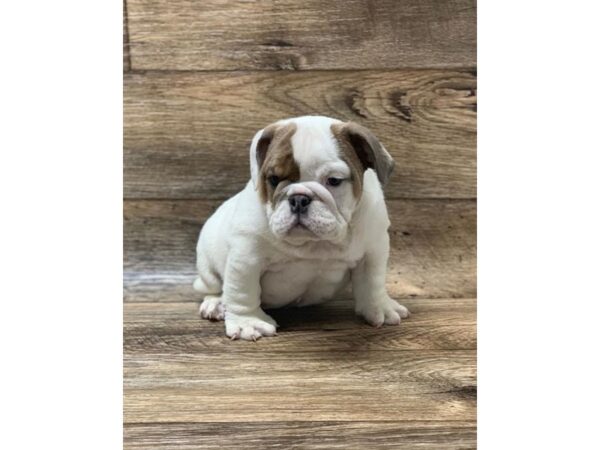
[315, 150]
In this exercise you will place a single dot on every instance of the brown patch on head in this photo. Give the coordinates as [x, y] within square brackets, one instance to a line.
[350, 157]
[361, 151]
[275, 156]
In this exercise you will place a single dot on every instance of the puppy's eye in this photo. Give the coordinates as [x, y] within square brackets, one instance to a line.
[331, 181]
[273, 180]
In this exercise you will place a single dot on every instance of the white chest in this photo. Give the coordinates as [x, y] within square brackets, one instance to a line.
[303, 282]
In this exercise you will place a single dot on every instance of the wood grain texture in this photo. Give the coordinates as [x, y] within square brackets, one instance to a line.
[126, 56]
[433, 248]
[187, 135]
[300, 435]
[296, 399]
[435, 324]
[299, 35]
[179, 368]
[201, 78]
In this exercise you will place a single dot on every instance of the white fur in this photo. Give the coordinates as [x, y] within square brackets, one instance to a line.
[251, 255]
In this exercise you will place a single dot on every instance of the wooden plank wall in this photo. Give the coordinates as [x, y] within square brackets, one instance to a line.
[301, 35]
[200, 78]
[183, 129]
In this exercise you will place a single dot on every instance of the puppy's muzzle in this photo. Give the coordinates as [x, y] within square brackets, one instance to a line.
[299, 203]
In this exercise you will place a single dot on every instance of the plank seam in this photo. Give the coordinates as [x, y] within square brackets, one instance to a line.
[466, 69]
[136, 355]
[456, 421]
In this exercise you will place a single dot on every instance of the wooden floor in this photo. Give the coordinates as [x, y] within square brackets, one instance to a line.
[200, 78]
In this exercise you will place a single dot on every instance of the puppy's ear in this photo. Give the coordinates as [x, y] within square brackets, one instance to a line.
[258, 150]
[366, 147]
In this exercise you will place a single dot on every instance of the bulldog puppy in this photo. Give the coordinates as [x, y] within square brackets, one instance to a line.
[311, 221]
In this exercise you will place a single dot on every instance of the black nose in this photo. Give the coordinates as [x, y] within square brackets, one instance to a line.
[299, 203]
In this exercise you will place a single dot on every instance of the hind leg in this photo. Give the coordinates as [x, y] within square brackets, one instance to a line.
[209, 285]
[210, 288]
[208, 281]
[212, 308]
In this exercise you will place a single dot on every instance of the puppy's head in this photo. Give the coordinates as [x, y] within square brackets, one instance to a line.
[309, 173]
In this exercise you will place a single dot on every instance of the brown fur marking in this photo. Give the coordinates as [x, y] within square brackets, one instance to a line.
[278, 155]
[350, 157]
[361, 151]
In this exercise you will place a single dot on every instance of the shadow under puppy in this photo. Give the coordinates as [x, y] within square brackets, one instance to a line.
[311, 220]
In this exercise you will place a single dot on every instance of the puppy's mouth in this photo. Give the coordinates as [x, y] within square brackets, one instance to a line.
[298, 220]
[298, 233]
[298, 226]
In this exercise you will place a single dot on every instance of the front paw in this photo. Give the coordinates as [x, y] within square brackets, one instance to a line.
[387, 312]
[250, 327]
